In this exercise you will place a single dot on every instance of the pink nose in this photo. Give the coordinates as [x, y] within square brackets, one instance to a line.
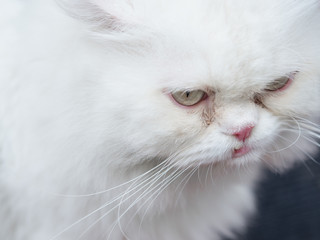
[244, 133]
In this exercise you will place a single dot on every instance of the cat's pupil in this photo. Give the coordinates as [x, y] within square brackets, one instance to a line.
[187, 94]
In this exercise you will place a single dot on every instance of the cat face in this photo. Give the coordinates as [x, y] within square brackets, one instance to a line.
[237, 84]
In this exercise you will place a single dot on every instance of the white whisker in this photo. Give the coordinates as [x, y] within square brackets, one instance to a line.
[155, 195]
[312, 141]
[294, 142]
[188, 176]
[309, 156]
[163, 187]
[110, 189]
[105, 205]
[121, 198]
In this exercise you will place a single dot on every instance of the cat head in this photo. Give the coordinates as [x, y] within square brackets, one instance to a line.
[206, 82]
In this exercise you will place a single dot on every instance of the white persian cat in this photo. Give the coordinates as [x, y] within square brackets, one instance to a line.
[150, 119]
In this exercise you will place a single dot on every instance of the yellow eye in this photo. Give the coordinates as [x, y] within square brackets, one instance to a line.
[279, 84]
[188, 98]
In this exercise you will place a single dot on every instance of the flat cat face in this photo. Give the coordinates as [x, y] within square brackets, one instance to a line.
[208, 82]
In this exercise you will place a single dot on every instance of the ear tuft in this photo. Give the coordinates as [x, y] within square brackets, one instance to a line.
[102, 15]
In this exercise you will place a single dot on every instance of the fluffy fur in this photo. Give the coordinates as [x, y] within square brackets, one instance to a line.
[94, 147]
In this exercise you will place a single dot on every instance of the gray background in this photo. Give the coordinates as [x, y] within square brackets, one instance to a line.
[288, 206]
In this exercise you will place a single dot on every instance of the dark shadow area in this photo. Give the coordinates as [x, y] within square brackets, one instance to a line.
[288, 206]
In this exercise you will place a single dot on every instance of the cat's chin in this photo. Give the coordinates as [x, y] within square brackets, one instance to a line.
[240, 159]
[242, 156]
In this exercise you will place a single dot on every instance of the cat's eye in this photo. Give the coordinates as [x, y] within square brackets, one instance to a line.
[188, 98]
[279, 84]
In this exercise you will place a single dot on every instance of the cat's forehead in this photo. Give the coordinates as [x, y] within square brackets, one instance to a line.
[225, 44]
[201, 72]
[220, 59]
[222, 44]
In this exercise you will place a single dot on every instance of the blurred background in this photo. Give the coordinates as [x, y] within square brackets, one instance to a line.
[288, 205]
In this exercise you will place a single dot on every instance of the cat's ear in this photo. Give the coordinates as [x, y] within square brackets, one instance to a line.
[102, 15]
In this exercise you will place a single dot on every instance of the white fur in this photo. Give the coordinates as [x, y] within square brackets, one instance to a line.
[85, 113]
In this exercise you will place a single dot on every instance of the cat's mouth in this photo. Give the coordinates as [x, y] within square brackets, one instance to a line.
[241, 151]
